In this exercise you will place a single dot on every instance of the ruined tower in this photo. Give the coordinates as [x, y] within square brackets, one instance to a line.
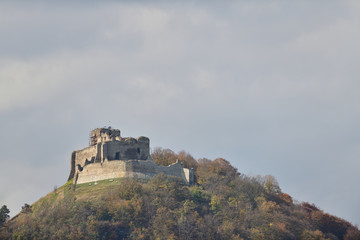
[111, 156]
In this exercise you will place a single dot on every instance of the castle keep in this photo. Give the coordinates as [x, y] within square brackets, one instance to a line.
[111, 156]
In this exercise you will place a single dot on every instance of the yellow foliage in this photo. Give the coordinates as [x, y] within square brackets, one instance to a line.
[313, 235]
[215, 203]
[269, 207]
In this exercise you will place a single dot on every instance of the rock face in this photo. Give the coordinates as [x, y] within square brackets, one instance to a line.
[111, 156]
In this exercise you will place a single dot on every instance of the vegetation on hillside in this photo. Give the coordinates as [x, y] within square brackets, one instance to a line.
[223, 204]
[4, 215]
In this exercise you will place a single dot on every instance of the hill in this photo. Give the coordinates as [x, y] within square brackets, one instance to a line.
[223, 204]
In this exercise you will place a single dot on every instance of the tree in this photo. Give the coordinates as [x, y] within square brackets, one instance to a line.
[130, 188]
[4, 214]
[187, 160]
[163, 157]
[312, 235]
[270, 184]
[352, 233]
[26, 208]
[215, 172]
[166, 157]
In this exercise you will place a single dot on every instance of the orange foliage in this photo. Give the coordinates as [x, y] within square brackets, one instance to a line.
[328, 223]
[286, 198]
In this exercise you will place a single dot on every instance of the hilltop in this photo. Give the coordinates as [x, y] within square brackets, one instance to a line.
[222, 204]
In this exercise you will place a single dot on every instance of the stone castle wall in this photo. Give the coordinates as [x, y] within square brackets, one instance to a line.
[131, 168]
[111, 156]
[87, 153]
[126, 149]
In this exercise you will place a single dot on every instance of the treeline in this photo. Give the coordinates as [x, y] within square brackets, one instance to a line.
[223, 204]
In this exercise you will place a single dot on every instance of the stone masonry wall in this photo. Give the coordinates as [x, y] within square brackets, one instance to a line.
[131, 168]
[87, 153]
[125, 150]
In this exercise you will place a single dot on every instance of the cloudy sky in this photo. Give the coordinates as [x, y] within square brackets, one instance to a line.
[272, 86]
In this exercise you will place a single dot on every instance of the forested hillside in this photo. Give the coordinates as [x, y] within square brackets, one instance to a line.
[223, 204]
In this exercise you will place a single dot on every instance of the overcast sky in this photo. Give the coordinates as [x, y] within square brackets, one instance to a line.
[272, 86]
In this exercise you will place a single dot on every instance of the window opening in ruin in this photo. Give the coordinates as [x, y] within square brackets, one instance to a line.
[117, 156]
[79, 167]
[138, 150]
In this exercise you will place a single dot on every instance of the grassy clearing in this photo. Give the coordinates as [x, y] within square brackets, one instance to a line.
[83, 192]
[92, 191]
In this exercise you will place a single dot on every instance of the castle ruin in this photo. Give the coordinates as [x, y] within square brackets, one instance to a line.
[110, 156]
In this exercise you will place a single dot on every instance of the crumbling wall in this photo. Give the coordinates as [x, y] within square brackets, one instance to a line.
[88, 153]
[99, 135]
[127, 149]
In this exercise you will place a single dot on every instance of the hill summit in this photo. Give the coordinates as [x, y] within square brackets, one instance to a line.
[111, 156]
[219, 203]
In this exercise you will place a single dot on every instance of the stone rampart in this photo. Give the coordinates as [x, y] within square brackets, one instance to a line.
[130, 168]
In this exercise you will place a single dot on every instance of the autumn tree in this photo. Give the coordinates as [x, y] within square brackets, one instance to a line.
[187, 160]
[217, 171]
[163, 157]
[352, 233]
[129, 188]
[270, 184]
